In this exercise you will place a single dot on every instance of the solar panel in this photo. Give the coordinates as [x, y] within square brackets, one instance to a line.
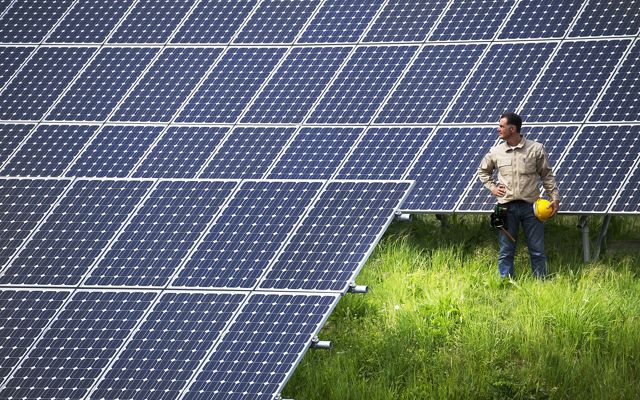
[472, 20]
[150, 248]
[571, 83]
[28, 21]
[340, 21]
[533, 19]
[315, 153]
[628, 198]
[620, 101]
[11, 135]
[607, 18]
[362, 85]
[405, 21]
[10, 60]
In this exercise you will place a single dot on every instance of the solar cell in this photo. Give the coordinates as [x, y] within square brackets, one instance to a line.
[472, 20]
[23, 316]
[500, 81]
[384, 153]
[606, 18]
[362, 85]
[340, 21]
[239, 246]
[277, 21]
[151, 21]
[29, 21]
[11, 135]
[573, 80]
[333, 240]
[405, 21]
[73, 235]
[620, 101]
[445, 167]
[10, 60]
[628, 198]
[49, 150]
[426, 90]
[555, 140]
[66, 361]
[89, 21]
[295, 86]
[115, 151]
[160, 234]
[39, 83]
[596, 165]
[173, 339]
[231, 85]
[23, 203]
[247, 153]
[214, 21]
[164, 87]
[315, 153]
[262, 346]
[181, 152]
[533, 19]
[4, 4]
[102, 84]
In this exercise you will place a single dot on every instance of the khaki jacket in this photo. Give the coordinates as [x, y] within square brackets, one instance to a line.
[520, 170]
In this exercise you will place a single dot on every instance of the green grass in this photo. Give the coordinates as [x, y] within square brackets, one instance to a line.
[439, 324]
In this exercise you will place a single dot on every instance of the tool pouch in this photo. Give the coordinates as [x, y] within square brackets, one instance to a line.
[499, 217]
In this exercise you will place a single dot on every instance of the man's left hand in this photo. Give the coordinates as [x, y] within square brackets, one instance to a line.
[555, 206]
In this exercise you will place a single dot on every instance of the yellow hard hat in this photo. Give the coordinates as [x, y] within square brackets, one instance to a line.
[542, 210]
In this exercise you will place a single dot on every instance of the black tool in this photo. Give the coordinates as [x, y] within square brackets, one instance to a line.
[499, 220]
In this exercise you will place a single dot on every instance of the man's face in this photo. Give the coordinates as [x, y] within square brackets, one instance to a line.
[505, 130]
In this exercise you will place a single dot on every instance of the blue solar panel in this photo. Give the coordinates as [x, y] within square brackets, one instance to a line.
[445, 167]
[23, 203]
[247, 153]
[89, 21]
[435, 77]
[74, 234]
[331, 242]
[115, 151]
[181, 152]
[628, 200]
[596, 165]
[315, 153]
[39, 83]
[10, 60]
[573, 80]
[242, 242]
[533, 19]
[166, 85]
[472, 20]
[231, 85]
[294, 87]
[384, 153]
[160, 234]
[28, 21]
[214, 21]
[66, 361]
[4, 4]
[605, 18]
[362, 85]
[102, 84]
[621, 102]
[11, 135]
[173, 339]
[340, 21]
[23, 316]
[261, 348]
[555, 140]
[500, 84]
[151, 21]
[277, 21]
[405, 21]
[49, 150]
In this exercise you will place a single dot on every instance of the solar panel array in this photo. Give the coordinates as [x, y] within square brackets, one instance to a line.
[187, 188]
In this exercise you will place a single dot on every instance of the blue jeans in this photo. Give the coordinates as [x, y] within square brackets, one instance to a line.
[521, 212]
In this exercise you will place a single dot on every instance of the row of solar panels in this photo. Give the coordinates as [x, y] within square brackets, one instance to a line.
[596, 165]
[312, 21]
[392, 84]
[63, 344]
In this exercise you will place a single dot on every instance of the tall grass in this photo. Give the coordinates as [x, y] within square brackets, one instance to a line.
[439, 324]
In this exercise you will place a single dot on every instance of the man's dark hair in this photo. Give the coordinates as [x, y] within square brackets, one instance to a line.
[513, 119]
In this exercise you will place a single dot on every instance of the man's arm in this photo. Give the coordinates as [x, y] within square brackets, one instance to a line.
[485, 174]
[548, 181]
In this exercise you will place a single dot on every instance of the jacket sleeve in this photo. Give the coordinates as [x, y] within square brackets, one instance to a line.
[546, 175]
[485, 171]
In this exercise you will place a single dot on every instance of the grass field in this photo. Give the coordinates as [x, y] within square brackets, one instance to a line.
[439, 324]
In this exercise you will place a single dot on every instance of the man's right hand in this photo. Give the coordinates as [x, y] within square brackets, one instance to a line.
[499, 190]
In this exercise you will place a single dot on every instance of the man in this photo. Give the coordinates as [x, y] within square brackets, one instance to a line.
[519, 162]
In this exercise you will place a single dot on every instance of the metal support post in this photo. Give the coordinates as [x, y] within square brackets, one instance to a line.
[584, 227]
[602, 236]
